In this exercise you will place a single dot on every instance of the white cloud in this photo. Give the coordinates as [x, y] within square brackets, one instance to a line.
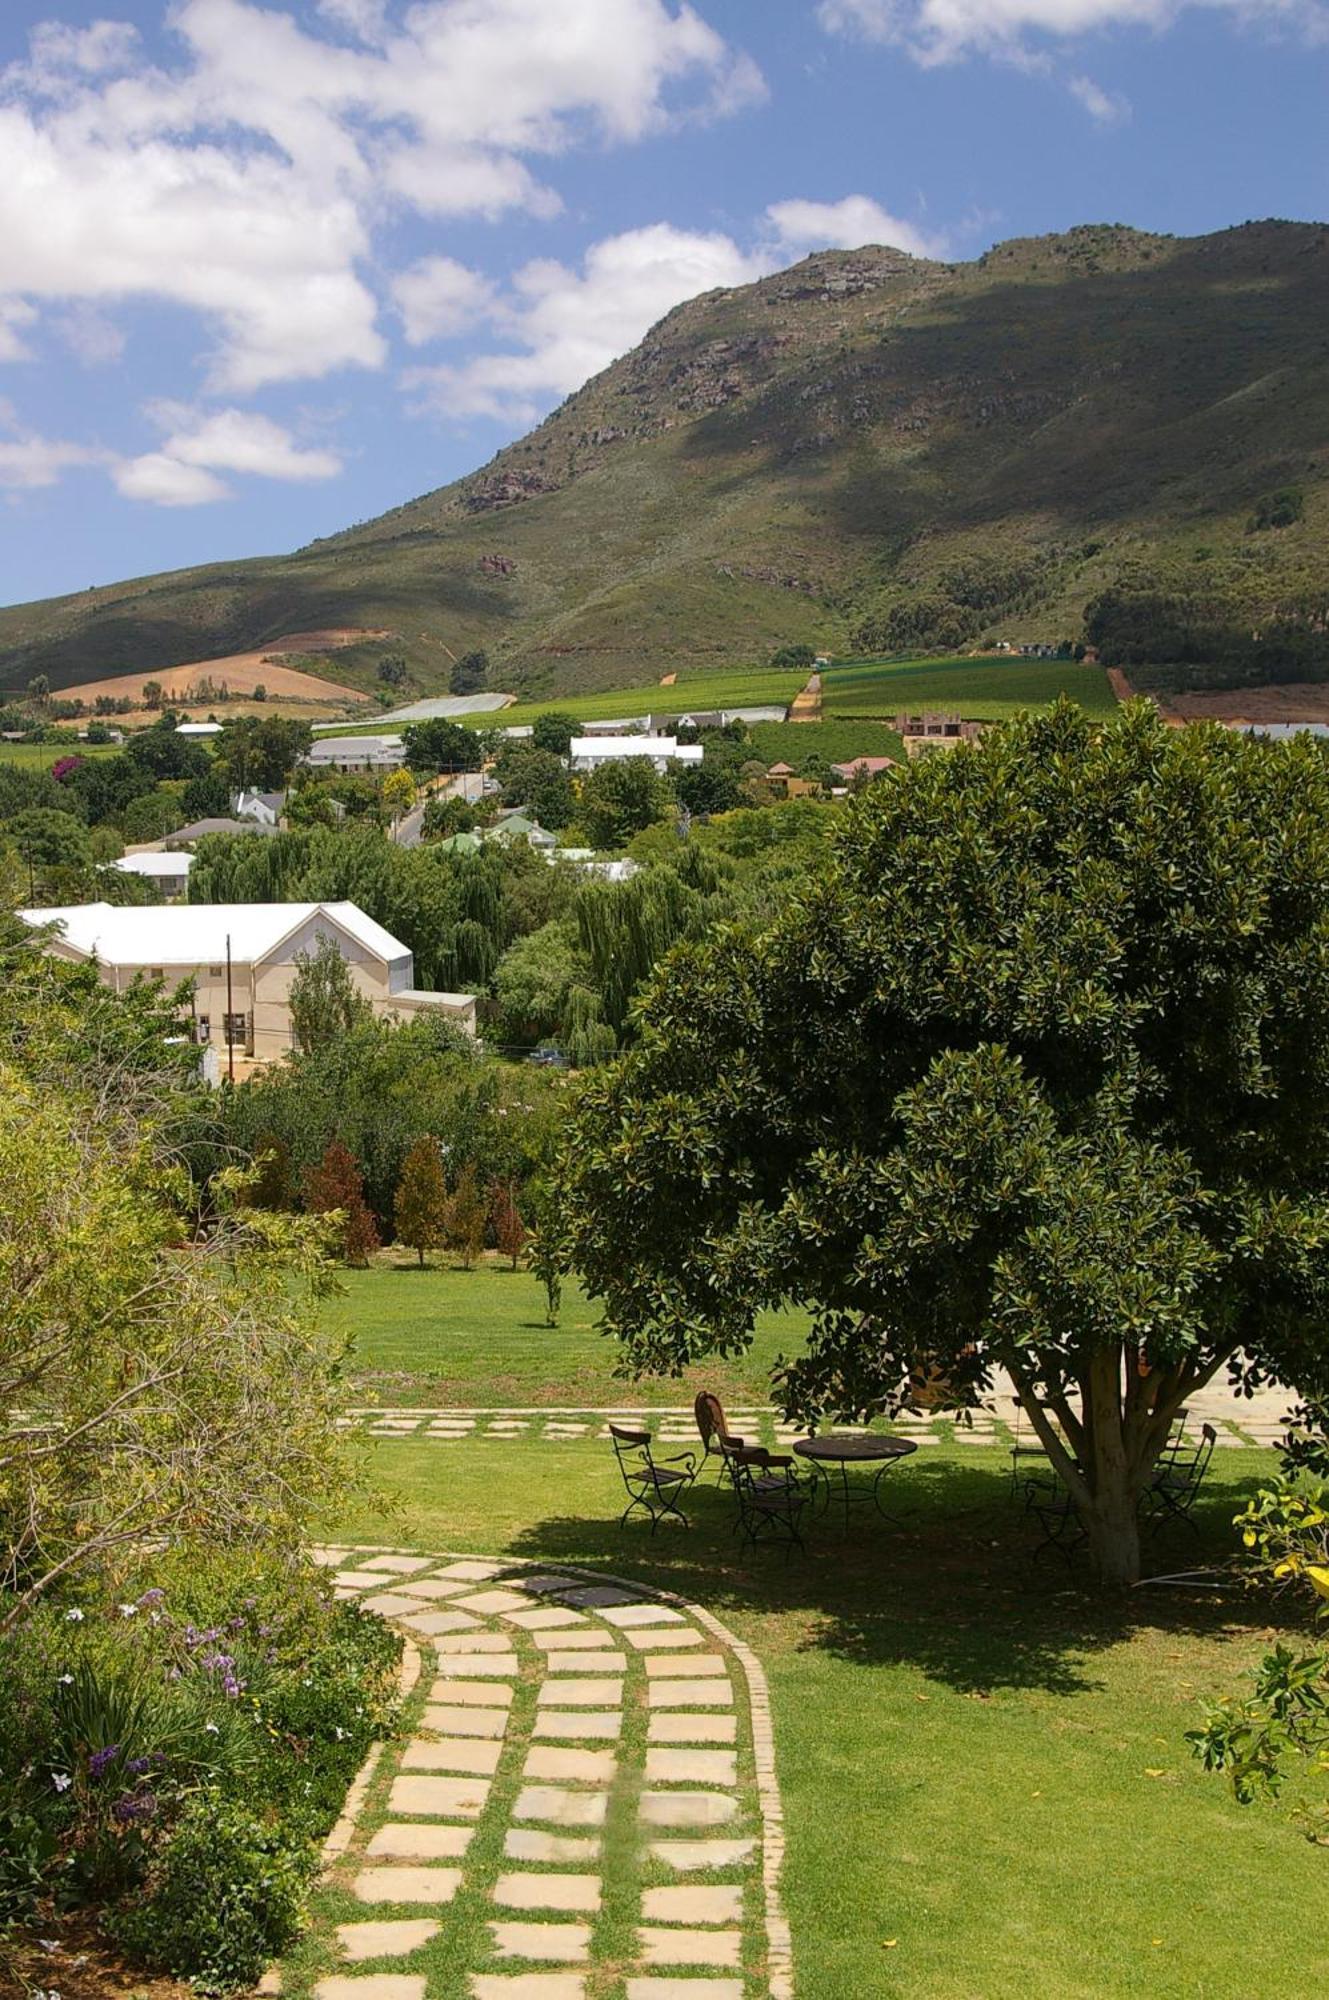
[90, 336]
[28, 460]
[166, 482]
[1105, 107]
[566, 325]
[439, 297]
[15, 316]
[846, 225]
[240, 441]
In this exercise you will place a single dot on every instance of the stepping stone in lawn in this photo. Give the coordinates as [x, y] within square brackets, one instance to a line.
[490, 1601]
[654, 1639]
[470, 1754]
[580, 1694]
[583, 1725]
[586, 1663]
[684, 1666]
[578, 1893]
[685, 1989]
[687, 1855]
[530, 1986]
[626, 1615]
[686, 1808]
[542, 1586]
[439, 1798]
[417, 1842]
[360, 1579]
[434, 1586]
[690, 1694]
[585, 1639]
[472, 1693]
[585, 1767]
[545, 1617]
[387, 1938]
[388, 1603]
[691, 1767]
[683, 1947]
[560, 1808]
[463, 1643]
[597, 1596]
[371, 1986]
[693, 1903]
[680, 1727]
[471, 1571]
[406, 1885]
[565, 1941]
[483, 1666]
[527, 1843]
[460, 1721]
[399, 1565]
[432, 1623]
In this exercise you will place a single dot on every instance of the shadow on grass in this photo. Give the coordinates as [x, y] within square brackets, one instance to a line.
[955, 1590]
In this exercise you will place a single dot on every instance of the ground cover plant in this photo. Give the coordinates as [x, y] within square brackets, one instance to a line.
[983, 689]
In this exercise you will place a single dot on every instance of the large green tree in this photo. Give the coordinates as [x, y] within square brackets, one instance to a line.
[1037, 1078]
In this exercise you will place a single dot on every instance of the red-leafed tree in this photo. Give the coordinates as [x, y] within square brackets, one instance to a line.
[336, 1183]
[505, 1221]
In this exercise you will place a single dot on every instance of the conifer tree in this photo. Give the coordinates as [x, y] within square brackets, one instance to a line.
[421, 1204]
[336, 1183]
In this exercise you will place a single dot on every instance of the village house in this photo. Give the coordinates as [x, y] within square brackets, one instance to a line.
[168, 873]
[357, 755]
[784, 779]
[240, 960]
[922, 734]
[862, 770]
[587, 753]
[265, 807]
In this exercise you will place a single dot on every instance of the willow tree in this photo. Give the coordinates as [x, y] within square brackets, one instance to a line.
[1036, 1078]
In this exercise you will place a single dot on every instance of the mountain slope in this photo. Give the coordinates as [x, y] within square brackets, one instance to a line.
[865, 451]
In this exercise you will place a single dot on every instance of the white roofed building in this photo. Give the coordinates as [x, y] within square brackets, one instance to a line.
[587, 753]
[241, 959]
[168, 873]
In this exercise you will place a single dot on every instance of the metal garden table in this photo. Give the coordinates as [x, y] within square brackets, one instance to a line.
[844, 1449]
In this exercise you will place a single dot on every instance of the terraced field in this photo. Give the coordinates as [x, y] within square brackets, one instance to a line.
[984, 690]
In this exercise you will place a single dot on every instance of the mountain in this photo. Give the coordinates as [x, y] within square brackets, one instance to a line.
[868, 451]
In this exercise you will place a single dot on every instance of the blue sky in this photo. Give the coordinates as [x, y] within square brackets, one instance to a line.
[266, 270]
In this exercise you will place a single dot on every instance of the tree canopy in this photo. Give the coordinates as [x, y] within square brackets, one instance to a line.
[1037, 1077]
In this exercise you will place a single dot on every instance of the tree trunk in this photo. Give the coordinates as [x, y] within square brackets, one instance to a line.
[1114, 1533]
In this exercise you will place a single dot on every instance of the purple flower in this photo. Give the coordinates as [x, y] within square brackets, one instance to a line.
[138, 1765]
[153, 1596]
[99, 1759]
[133, 1806]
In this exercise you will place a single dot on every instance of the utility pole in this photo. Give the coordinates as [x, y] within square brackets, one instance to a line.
[230, 1016]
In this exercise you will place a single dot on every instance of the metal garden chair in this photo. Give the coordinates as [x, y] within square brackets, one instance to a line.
[770, 1495]
[653, 1485]
[713, 1427]
[1177, 1481]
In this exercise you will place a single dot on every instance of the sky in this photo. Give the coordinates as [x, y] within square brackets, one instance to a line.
[270, 269]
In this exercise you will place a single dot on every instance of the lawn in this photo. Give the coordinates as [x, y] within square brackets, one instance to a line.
[986, 1786]
[41, 756]
[985, 690]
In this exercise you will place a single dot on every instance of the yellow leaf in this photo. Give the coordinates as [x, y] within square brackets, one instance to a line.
[889, 1944]
[1319, 1576]
[1153, 1772]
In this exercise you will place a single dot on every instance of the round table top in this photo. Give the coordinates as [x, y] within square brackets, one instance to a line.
[845, 1449]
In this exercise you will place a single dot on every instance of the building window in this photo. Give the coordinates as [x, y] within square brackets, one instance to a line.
[203, 1028]
[236, 1030]
[216, 971]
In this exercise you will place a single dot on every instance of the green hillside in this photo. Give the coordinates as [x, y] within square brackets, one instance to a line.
[870, 453]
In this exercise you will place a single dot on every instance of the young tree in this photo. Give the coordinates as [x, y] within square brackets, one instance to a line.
[392, 669]
[549, 1247]
[440, 744]
[555, 732]
[505, 1221]
[324, 1000]
[421, 1204]
[621, 798]
[273, 1186]
[466, 1217]
[1037, 1079]
[335, 1184]
[398, 793]
[154, 694]
[469, 674]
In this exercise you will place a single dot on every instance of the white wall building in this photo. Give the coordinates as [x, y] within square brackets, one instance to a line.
[246, 1009]
[587, 753]
[357, 754]
[169, 873]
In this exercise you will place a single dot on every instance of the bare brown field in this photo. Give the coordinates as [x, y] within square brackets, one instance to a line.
[241, 672]
[1286, 701]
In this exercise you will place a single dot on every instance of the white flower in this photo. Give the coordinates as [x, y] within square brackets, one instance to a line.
[74, 1617]
[212, 1728]
[61, 1780]
[128, 1610]
[65, 1680]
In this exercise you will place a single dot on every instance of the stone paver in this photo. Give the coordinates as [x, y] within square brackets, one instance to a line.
[587, 1767]
[688, 1855]
[470, 1754]
[545, 1618]
[678, 1726]
[385, 1937]
[432, 1623]
[687, 1947]
[371, 1986]
[431, 1587]
[399, 1565]
[570, 1942]
[462, 1721]
[480, 1667]
[480, 1693]
[689, 1694]
[417, 1842]
[694, 1903]
[464, 1644]
[531, 1986]
[586, 1663]
[685, 1989]
[652, 1640]
[439, 1798]
[576, 1893]
[569, 1693]
[406, 1885]
[585, 1724]
[493, 1600]
[691, 1767]
[388, 1603]
[472, 1570]
[529, 1843]
[560, 1808]
[579, 1639]
[686, 1808]
[625, 1616]
[685, 1666]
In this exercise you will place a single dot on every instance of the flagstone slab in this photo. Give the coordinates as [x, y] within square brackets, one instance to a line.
[439, 1798]
[472, 1693]
[694, 1903]
[371, 1986]
[689, 1694]
[432, 1623]
[435, 1586]
[678, 1726]
[628, 1615]
[389, 1603]
[419, 1842]
[545, 1617]
[565, 1941]
[559, 1807]
[688, 1855]
[583, 1724]
[471, 1570]
[580, 1694]
[579, 1638]
[457, 1720]
[482, 1666]
[551, 1585]
[586, 1767]
[597, 1596]
[685, 1989]
[463, 1643]
[472, 1754]
[530, 1843]
[389, 1884]
[490, 1601]
[385, 1937]
[691, 1767]
[360, 1579]
[399, 1565]
[577, 1893]
[586, 1663]
[655, 1639]
[660, 1946]
[686, 1808]
[530, 1986]
[685, 1666]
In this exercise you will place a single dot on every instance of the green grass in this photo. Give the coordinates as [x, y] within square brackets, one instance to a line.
[838, 742]
[985, 690]
[478, 1338]
[41, 756]
[986, 1786]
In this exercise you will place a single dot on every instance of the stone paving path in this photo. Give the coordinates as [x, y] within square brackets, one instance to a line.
[584, 1808]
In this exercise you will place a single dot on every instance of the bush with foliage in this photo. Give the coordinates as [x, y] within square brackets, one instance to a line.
[335, 1187]
[420, 1207]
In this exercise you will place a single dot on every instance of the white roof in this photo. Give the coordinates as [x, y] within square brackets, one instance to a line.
[353, 747]
[198, 729]
[196, 933]
[154, 864]
[608, 749]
